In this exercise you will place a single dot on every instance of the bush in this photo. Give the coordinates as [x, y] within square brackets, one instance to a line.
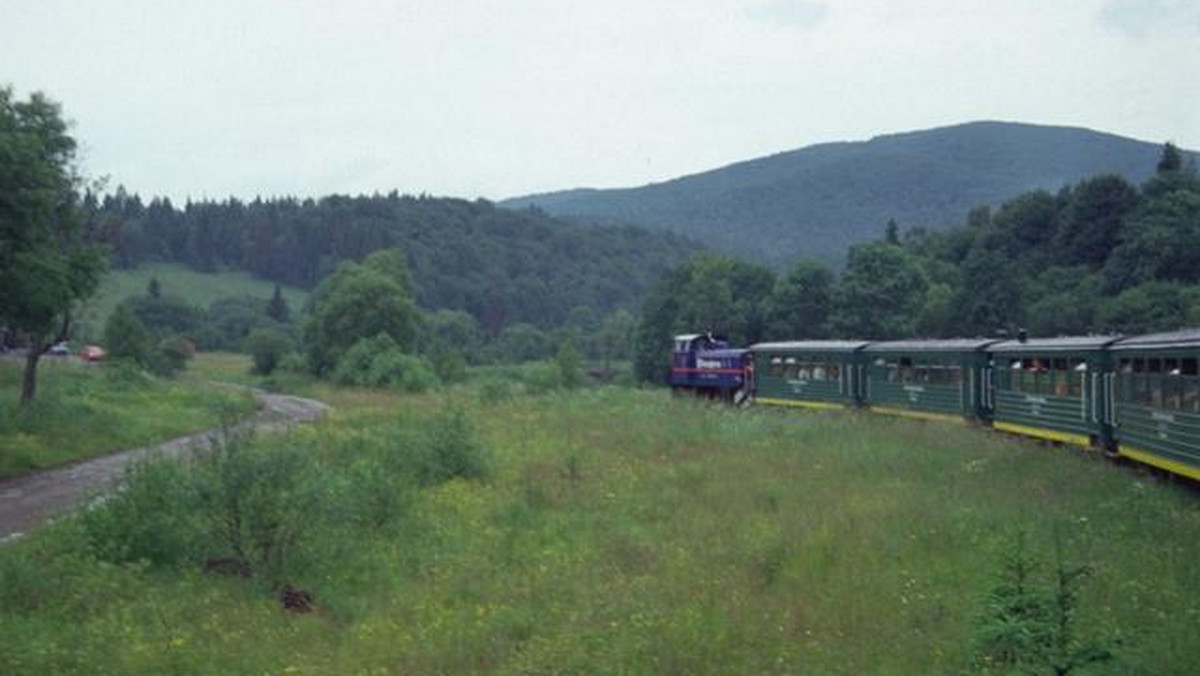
[379, 362]
[493, 391]
[268, 348]
[126, 338]
[170, 356]
[257, 502]
[540, 378]
[153, 518]
[452, 450]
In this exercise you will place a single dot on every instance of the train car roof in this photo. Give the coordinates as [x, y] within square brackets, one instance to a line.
[1161, 341]
[940, 345]
[1059, 344]
[812, 346]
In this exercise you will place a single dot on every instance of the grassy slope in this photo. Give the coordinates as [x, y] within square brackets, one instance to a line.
[83, 411]
[196, 288]
[627, 532]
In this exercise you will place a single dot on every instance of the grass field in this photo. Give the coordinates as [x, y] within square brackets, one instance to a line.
[197, 288]
[83, 411]
[617, 531]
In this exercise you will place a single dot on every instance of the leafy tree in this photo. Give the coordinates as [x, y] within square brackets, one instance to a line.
[47, 261]
[277, 308]
[880, 294]
[1093, 220]
[167, 315]
[154, 289]
[126, 338]
[521, 342]
[169, 357]
[361, 301]
[1153, 306]
[229, 321]
[267, 348]
[800, 304]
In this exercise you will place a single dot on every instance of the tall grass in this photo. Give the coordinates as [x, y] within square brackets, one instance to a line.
[618, 531]
[83, 410]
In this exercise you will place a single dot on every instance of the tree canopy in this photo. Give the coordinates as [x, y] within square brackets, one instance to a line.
[47, 261]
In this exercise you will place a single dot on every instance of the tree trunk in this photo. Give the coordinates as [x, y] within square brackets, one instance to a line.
[29, 382]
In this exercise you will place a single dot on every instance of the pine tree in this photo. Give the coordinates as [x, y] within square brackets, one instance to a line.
[278, 307]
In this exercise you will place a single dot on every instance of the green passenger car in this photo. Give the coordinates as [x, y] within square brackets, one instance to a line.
[1053, 388]
[809, 374]
[937, 379]
[1156, 400]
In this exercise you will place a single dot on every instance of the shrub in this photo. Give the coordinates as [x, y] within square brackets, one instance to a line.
[257, 502]
[540, 378]
[170, 356]
[379, 362]
[493, 391]
[152, 517]
[126, 338]
[268, 348]
[452, 451]
[570, 374]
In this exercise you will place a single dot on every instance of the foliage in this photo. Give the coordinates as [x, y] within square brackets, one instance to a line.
[89, 411]
[568, 361]
[1033, 625]
[126, 338]
[170, 356]
[379, 362]
[500, 266]
[267, 347]
[880, 294]
[277, 307]
[48, 261]
[358, 302]
[801, 302]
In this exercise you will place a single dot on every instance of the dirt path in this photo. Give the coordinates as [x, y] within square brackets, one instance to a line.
[31, 499]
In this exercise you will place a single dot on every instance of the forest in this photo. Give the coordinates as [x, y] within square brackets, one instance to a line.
[1101, 256]
[502, 267]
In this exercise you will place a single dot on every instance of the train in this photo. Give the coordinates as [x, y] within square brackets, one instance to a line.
[1136, 397]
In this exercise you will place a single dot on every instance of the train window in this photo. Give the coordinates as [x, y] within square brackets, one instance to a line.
[1187, 366]
[1075, 375]
[818, 372]
[835, 372]
[776, 369]
[1126, 366]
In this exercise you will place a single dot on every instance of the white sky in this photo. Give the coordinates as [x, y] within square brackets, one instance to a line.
[498, 98]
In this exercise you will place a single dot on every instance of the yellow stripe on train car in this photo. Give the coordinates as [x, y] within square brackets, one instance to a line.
[1041, 433]
[1160, 462]
[800, 403]
[919, 415]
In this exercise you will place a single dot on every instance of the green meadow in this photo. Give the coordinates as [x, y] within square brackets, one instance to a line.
[196, 288]
[84, 410]
[490, 528]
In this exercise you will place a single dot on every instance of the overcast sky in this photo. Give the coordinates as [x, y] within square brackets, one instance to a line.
[497, 98]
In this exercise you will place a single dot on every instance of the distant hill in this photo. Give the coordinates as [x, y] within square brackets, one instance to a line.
[820, 199]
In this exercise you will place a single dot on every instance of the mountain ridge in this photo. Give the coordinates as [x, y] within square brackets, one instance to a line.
[820, 199]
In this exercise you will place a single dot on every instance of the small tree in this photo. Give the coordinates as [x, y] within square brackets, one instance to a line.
[126, 337]
[47, 261]
[1033, 625]
[278, 307]
[154, 289]
[267, 347]
[568, 361]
